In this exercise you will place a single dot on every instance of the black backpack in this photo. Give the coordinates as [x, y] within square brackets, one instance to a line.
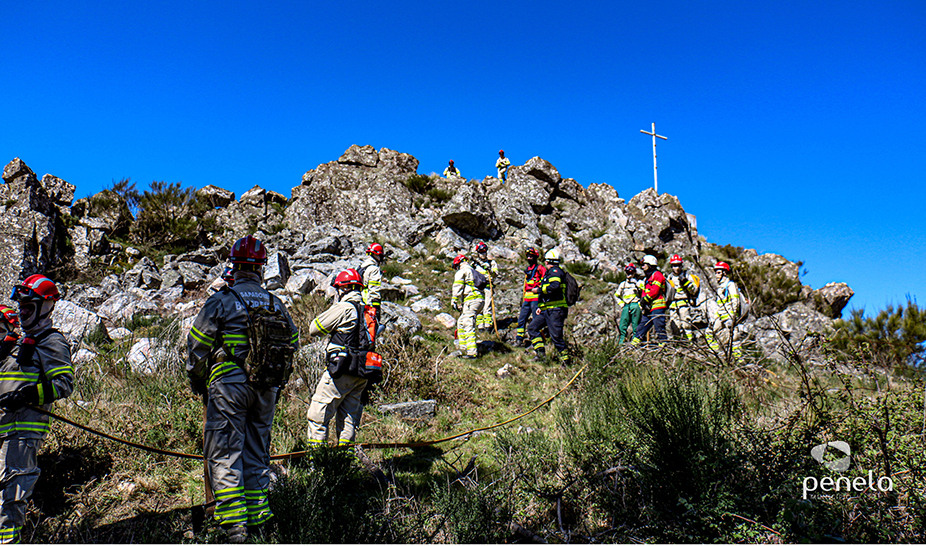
[358, 361]
[479, 280]
[270, 359]
[572, 290]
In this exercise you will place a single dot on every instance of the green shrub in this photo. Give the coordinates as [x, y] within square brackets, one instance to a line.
[392, 269]
[170, 216]
[584, 245]
[548, 232]
[614, 277]
[440, 195]
[469, 515]
[579, 268]
[893, 338]
[418, 183]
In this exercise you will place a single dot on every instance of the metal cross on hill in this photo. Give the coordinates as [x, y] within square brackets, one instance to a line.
[654, 135]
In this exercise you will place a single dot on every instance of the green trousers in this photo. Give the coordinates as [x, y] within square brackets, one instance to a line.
[630, 318]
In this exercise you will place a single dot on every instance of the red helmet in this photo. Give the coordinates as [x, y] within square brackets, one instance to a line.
[375, 249]
[348, 277]
[532, 253]
[458, 259]
[481, 247]
[451, 162]
[248, 250]
[631, 268]
[722, 266]
[675, 259]
[501, 152]
[11, 316]
[36, 287]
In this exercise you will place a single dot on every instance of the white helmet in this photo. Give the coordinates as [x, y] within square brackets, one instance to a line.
[650, 259]
[552, 255]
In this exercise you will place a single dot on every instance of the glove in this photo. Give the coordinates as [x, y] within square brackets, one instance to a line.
[14, 401]
[198, 386]
[456, 306]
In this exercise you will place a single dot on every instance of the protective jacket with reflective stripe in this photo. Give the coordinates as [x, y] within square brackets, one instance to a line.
[49, 368]
[372, 282]
[553, 289]
[338, 321]
[533, 274]
[728, 301]
[686, 289]
[654, 291]
[464, 285]
[629, 291]
[218, 340]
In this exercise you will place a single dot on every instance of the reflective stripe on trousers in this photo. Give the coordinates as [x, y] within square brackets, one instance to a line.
[19, 471]
[466, 326]
[237, 445]
[339, 399]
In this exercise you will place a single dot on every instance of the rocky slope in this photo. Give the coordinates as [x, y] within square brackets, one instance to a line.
[368, 195]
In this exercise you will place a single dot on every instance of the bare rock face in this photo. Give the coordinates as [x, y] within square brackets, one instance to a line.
[29, 242]
[470, 212]
[357, 190]
[257, 209]
[658, 224]
[106, 211]
[831, 299]
[216, 196]
[798, 328]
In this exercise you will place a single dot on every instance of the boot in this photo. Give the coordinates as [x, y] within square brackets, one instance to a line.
[237, 534]
[541, 355]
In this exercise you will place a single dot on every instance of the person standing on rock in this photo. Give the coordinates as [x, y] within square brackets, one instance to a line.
[653, 302]
[489, 269]
[628, 296]
[452, 172]
[552, 309]
[721, 334]
[371, 274]
[502, 164]
[687, 287]
[35, 370]
[240, 401]
[533, 274]
[338, 393]
[467, 298]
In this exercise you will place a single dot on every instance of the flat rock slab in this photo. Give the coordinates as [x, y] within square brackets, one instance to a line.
[421, 409]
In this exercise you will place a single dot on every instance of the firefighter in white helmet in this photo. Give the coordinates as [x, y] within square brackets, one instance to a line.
[553, 309]
[687, 287]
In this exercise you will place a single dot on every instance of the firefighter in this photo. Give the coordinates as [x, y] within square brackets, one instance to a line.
[371, 274]
[721, 335]
[533, 274]
[489, 269]
[653, 302]
[469, 300]
[628, 296]
[451, 171]
[339, 397]
[687, 287]
[36, 370]
[239, 415]
[502, 164]
[552, 309]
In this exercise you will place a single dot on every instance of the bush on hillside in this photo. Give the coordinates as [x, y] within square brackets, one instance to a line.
[170, 216]
[769, 289]
[892, 338]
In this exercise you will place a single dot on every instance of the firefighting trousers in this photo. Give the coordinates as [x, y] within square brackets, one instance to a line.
[236, 444]
[484, 318]
[680, 320]
[655, 320]
[18, 472]
[630, 319]
[466, 326]
[528, 310]
[723, 340]
[554, 319]
[338, 398]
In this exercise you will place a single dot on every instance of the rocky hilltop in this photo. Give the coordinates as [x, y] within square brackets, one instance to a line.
[366, 195]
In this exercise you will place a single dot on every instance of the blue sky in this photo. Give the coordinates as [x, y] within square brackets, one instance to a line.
[793, 128]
